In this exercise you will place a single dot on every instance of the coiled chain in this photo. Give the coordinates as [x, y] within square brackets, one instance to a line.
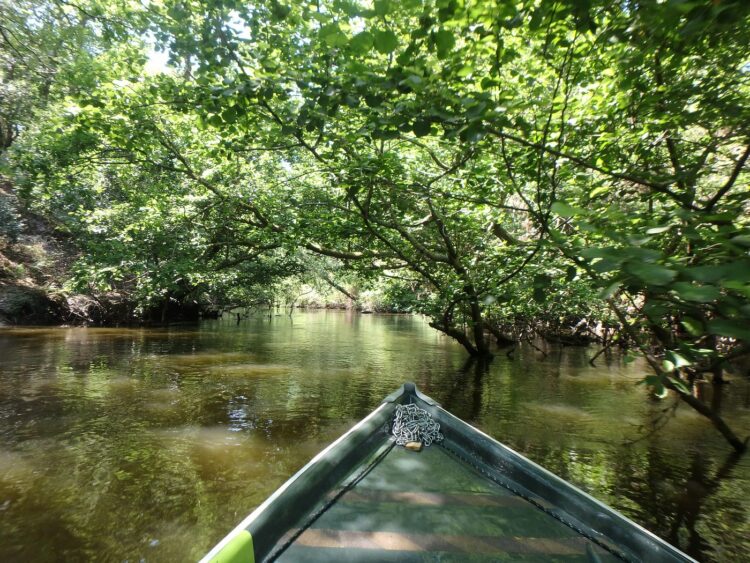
[412, 424]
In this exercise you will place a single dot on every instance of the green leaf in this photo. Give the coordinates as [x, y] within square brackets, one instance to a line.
[488, 83]
[362, 42]
[565, 210]
[373, 100]
[444, 41]
[381, 7]
[679, 384]
[652, 274]
[730, 328]
[598, 191]
[413, 81]
[230, 114]
[542, 280]
[602, 266]
[658, 230]
[677, 360]
[333, 36]
[351, 101]
[595, 252]
[693, 326]
[422, 127]
[609, 291]
[737, 270]
[279, 11]
[697, 293]
[385, 41]
[656, 384]
[737, 286]
[473, 132]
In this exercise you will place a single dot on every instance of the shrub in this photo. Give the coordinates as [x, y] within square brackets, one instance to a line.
[10, 222]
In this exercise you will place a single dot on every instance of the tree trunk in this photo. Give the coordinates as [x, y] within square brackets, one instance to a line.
[480, 338]
[165, 309]
[458, 335]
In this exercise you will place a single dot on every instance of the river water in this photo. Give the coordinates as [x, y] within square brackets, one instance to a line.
[150, 445]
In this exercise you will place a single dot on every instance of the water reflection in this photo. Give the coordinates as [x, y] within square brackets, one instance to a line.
[151, 444]
[689, 505]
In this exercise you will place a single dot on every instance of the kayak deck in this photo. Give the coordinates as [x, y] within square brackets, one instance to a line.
[466, 498]
[430, 506]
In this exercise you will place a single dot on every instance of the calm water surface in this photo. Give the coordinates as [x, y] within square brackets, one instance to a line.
[150, 445]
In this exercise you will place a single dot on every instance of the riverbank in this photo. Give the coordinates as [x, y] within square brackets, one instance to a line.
[37, 260]
[33, 261]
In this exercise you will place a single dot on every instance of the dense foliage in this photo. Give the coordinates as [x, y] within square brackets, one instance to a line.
[502, 167]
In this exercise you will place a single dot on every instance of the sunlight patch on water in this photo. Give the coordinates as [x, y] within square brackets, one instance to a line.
[209, 438]
[14, 467]
[200, 359]
[217, 448]
[562, 411]
[250, 370]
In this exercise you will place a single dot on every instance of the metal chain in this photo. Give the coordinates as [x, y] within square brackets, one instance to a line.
[412, 424]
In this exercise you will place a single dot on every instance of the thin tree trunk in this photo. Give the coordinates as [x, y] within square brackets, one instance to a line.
[459, 336]
[477, 325]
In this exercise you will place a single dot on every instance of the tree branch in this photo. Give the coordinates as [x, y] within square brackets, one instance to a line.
[662, 187]
[739, 165]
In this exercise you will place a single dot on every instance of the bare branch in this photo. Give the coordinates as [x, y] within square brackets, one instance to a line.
[739, 165]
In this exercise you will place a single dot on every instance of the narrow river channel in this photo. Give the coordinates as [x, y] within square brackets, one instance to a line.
[151, 444]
